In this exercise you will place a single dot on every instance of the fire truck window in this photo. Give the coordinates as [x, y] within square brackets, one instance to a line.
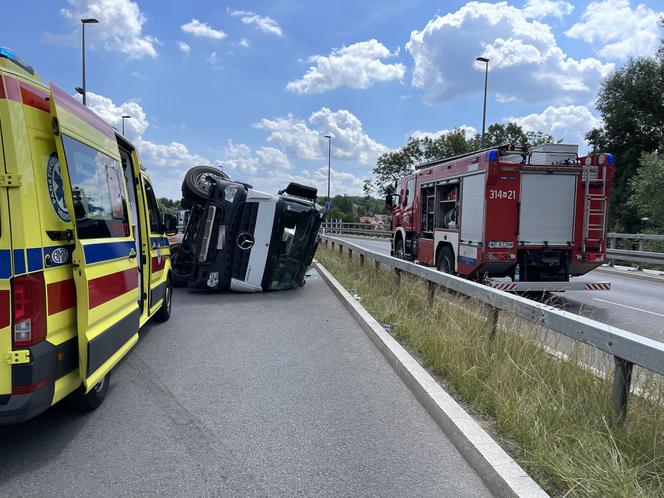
[100, 203]
[447, 206]
[411, 191]
[428, 202]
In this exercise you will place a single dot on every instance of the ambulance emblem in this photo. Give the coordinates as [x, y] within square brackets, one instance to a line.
[56, 189]
[60, 256]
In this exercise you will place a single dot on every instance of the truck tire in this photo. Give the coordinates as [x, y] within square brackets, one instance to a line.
[164, 312]
[93, 399]
[177, 279]
[399, 251]
[445, 261]
[197, 182]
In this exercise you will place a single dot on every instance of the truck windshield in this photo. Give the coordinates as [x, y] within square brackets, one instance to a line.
[294, 240]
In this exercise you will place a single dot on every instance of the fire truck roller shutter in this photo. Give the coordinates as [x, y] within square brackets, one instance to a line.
[547, 208]
[472, 208]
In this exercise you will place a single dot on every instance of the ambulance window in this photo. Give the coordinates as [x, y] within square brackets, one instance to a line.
[153, 210]
[100, 204]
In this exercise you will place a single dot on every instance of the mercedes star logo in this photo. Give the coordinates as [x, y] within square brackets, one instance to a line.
[245, 241]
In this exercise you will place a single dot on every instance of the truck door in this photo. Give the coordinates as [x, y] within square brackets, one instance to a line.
[5, 274]
[104, 257]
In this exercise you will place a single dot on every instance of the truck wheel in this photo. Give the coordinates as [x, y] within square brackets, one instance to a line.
[178, 279]
[92, 400]
[198, 181]
[445, 262]
[399, 251]
[164, 312]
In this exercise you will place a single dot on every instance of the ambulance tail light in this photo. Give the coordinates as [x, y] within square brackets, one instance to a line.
[29, 309]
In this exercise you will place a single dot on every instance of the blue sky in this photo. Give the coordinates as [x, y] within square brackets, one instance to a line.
[254, 86]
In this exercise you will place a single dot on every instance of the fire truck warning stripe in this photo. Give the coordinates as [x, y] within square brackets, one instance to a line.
[103, 289]
[61, 296]
[34, 97]
[5, 312]
[67, 102]
[105, 251]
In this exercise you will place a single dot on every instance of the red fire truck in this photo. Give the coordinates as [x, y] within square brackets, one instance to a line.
[536, 215]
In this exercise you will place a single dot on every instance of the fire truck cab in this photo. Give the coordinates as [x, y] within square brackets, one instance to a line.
[537, 215]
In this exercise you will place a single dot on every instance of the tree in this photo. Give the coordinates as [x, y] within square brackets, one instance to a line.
[396, 164]
[631, 102]
[646, 188]
[168, 205]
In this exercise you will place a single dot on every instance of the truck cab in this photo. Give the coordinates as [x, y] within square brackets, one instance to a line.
[241, 239]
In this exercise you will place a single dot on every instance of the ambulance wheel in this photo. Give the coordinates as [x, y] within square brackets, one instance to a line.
[92, 400]
[445, 262]
[198, 181]
[164, 312]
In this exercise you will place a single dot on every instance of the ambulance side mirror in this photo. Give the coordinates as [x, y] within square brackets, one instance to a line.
[170, 224]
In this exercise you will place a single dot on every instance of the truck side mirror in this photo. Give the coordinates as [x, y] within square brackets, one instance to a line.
[388, 201]
[170, 224]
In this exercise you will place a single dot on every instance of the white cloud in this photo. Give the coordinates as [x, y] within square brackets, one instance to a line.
[624, 32]
[244, 43]
[341, 182]
[356, 66]
[184, 48]
[526, 63]
[213, 59]
[269, 157]
[538, 9]
[112, 113]
[202, 30]
[567, 122]
[307, 141]
[468, 132]
[263, 23]
[293, 136]
[120, 26]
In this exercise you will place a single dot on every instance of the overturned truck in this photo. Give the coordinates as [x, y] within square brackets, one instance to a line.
[240, 239]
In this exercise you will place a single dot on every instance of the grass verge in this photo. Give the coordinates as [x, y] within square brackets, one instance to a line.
[552, 416]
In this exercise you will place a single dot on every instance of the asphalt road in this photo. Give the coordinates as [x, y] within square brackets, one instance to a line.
[632, 304]
[243, 395]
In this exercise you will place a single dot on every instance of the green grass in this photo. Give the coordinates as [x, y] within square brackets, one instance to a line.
[552, 416]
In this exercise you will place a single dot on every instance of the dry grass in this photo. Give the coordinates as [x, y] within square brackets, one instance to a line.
[553, 415]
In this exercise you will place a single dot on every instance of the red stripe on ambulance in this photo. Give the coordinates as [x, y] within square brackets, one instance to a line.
[61, 296]
[103, 289]
[4, 309]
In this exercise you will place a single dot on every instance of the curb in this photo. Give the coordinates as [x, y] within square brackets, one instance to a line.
[633, 274]
[501, 474]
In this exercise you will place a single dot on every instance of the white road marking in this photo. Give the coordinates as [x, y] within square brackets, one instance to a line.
[630, 307]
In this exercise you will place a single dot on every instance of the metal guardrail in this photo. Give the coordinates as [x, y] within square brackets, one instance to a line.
[628, 349]
[640, 256]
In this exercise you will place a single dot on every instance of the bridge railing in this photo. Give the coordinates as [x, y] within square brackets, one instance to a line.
[628, 349]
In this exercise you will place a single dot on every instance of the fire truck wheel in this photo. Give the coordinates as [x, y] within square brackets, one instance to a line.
[445, 262]
[92, 400]
[198, 180]
[399, 251]
[164, 312]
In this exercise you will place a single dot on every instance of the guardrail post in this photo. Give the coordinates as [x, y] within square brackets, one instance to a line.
[376, 265]
[397, 274]
[622, 381]
[350, 253]
[361, 260]
[492, 322]
[327, 243]
[341, 249]
[641, 245]
[431, 292]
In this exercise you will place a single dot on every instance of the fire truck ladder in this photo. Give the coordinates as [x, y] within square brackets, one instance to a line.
[595, 207]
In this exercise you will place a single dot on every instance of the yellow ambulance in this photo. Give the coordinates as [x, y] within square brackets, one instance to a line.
[84, 256]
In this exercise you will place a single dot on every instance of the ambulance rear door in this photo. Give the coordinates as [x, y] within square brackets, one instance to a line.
[5, 275]
[104, 257]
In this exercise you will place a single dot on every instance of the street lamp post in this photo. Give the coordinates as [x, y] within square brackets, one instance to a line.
[486, 77]
[124, 116]
[84, 21]
[329, 167]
